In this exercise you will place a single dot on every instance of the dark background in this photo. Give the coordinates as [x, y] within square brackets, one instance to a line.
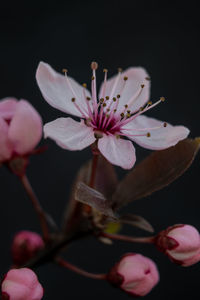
[161, 36]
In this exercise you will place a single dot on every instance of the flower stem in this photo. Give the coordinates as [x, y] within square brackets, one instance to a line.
[37, 206]
[93, 171]
[78, 270]
[149, 240]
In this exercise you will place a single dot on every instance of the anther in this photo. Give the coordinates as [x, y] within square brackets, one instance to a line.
[126, 105]
[165, 124]
[118, 96]
[162, 99]
[108, 109]
[125, 78]
[105, 70]
[107, 97]
[88, 98]
[122, 115]
[141, 108]
[128, 111]
[101, 100]
[84, 85]
[92, 77]
[115, 110]
[149, 103]
[104, 104]
[94, 65]
[64, 70]
[128, 115]
[147, 78]
[73, 99]
[148, 134]
[117, 136]
[114, 99]
[119, 70]
[142, 86]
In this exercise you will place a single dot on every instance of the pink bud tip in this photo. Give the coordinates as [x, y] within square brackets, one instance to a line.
[26, 244]
[135, 274]
[181, 243]
[21, 284]
[20, 128]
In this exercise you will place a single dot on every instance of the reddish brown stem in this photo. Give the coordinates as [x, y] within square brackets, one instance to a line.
[149, 240]
[93, 171]
[76, 269]
[36, 204]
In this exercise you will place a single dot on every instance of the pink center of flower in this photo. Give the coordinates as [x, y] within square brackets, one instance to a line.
[104, 114]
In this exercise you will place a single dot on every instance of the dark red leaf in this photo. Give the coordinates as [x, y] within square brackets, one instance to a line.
[155, 172]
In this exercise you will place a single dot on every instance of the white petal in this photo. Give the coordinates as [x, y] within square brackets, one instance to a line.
[69, 134]
[56, 91]
[136, 77]
[118, 151]
[162, 138]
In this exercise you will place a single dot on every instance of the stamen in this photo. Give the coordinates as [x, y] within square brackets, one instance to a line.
[115, 83]
[148, 134]
[94, 66]
[79, 109]
[86, 99]
[104, 84]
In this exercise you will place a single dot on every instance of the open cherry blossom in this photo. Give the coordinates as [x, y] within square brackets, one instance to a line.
[110, 119]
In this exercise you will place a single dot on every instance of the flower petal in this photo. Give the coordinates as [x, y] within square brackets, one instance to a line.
[161, 138]
[7, 108]
[118, 151]
[25, 129]
[5, 145]
[69, 134]
[136, 77]
[56, 91]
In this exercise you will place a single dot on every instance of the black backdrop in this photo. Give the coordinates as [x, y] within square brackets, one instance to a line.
[160, 36]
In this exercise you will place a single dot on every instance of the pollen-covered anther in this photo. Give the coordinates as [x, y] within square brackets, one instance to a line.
[128, 115]
[141, 108]
[115, 110]
[105, 70]
[147, 78]
[108, 109]
[88, 98]
[122, 115]
[107, 97]
[142, 86]
[94, 65]
[128, 111]
[165, 124]
[73, 99]
[92, 78]
[149, 103]
[125, 78]
[104, 104]
[64, 71]
[119, 70]
[84, 85]
[114, 99]
[118, 96]
[101, 100]
[148, 134]
[162, 99]
[126, 105]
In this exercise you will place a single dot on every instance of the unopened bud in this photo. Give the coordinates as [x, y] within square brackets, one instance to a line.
[134, 274]
[181, 243]
[25, 245]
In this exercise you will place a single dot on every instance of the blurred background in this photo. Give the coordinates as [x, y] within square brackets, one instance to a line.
[161, 36]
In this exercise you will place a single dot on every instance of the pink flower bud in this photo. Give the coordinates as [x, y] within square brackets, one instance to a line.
[26, 244]
[20, 128]
[21, 284]
[135, 274]
[181, 243]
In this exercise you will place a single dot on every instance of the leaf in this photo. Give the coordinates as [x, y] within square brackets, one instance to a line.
[155, 172]
[136, 221]
[94, 199]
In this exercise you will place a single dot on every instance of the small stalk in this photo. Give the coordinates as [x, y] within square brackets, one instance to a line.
[78, 270]
[144, 240]
[37, 206]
